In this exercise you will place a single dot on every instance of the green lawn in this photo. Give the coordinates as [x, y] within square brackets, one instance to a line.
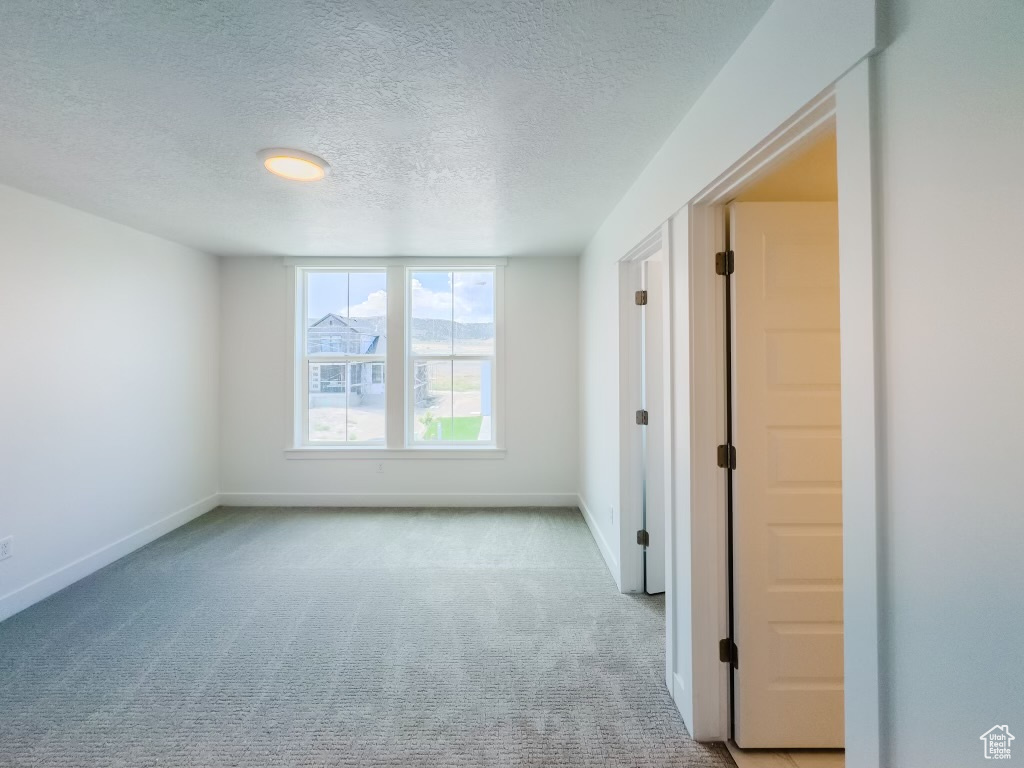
[465, 428]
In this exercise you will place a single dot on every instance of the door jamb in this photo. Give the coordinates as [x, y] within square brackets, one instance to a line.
[848, 103]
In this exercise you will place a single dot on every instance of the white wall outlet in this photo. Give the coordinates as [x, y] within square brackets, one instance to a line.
[380, 466]
[6, 547]
[611, 514]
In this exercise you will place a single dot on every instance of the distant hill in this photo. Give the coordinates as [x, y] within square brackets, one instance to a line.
[442, 330]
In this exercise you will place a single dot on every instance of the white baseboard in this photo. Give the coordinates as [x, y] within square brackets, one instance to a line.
[235, 499]
[609, 556]
[678, 689]
[44, 586]
[678, 697]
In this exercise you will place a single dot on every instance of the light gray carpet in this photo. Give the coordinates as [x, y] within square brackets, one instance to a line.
[256, 637]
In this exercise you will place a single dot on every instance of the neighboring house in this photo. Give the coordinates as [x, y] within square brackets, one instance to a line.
[336, 335]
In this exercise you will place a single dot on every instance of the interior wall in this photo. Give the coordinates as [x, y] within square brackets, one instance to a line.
[796, 51]
[599, 433]
[540, 404]
[108, 420]
[949, 162]
[950, 165]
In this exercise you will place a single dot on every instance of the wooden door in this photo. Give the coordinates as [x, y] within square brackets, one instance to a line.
[787, 513]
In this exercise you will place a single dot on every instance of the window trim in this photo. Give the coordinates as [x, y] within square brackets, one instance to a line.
[396, 361]
[366, 453]
[355, 262]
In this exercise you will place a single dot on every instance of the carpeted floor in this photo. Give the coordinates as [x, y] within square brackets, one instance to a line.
[256, 637]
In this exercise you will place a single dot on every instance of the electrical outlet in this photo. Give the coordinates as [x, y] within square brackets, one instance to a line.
[611, 514]
[5, 547]
[380, 466]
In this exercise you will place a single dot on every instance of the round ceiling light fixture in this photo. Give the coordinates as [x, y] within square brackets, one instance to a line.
[294, 164]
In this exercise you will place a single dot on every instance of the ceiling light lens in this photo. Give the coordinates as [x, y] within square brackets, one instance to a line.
[294, 165]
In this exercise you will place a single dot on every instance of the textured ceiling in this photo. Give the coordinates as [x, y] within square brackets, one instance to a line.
[453, 127]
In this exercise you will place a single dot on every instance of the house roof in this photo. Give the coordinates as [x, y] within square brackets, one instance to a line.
[339, 318]
[372, 346]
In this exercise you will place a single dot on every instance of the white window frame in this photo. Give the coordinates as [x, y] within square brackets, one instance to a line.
[399, 441]
[412, 358]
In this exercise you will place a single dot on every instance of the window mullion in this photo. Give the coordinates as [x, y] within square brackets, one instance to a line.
[395, 370]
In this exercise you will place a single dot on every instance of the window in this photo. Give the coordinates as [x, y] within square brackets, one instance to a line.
[451, 356]
[342, 325]
[435, 386]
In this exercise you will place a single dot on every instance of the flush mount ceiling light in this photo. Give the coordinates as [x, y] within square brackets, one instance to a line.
[294, 164]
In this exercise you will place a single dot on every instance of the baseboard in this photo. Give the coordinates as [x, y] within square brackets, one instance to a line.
[678, 697]
[678, 689]
[606, 552]
[235, 499]
[44, 586]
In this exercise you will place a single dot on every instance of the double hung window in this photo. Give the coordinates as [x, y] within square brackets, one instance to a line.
[399, 357]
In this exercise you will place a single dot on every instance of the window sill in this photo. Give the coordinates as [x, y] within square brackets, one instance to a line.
[374, 454]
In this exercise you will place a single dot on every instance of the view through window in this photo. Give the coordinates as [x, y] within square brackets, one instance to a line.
[345, 345]
[451, 349]
[447, 366]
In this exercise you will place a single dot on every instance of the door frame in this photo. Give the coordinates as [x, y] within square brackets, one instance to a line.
[631, 467]
[847, 103]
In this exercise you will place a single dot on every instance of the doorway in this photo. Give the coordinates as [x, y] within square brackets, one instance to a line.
[646, 487]
[782, 454]
[697, 567]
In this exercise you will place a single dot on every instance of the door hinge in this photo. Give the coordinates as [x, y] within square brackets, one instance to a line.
[642, 417]
[728, 653]
[727, 456]
[640, 298]
[725, 263]
[643, 538]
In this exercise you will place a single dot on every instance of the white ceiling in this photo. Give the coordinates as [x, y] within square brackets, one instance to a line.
[453, 127]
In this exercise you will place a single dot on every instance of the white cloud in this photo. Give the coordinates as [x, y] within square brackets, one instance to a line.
[376, 305]
[474, 302]
[432, 304]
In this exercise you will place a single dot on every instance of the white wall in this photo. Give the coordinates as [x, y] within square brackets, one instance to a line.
[599, 401]
[108, 419]
[951, 168]
[541, 414]
[950, 164]
[797, 50]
